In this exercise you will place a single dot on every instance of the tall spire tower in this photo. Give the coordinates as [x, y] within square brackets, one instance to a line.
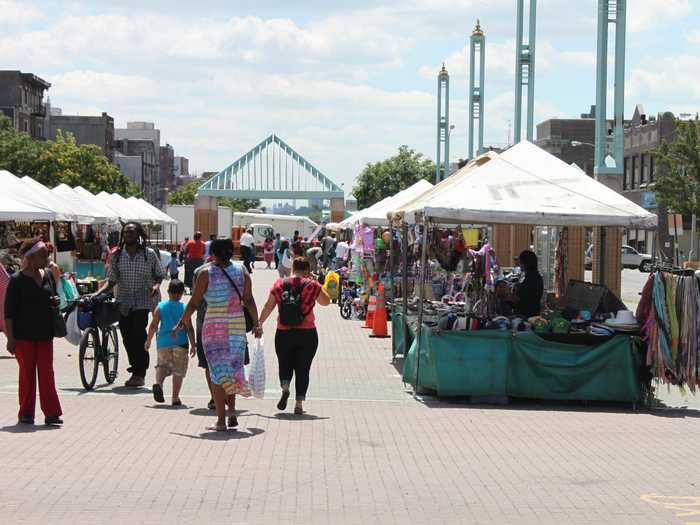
[610, 12]
[442, 159]
[477, 48]
[525, 70]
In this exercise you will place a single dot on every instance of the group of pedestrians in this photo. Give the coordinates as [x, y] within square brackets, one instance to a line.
[221, 296]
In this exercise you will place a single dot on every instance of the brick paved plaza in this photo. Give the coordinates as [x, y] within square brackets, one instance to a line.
[366, 452]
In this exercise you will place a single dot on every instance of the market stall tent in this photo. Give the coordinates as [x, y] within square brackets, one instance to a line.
[99, 203]
[87, 205]
[376, 215]
[126, 210]
[397, 212]
[18, 202]
[527, 185]
[65, 210]
[159, 216]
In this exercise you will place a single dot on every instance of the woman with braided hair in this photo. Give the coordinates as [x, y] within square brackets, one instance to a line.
[136, 269]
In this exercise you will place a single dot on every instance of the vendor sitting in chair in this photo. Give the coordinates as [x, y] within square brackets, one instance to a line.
[527, 299]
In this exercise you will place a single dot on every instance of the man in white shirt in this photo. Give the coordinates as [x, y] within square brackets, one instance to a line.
[248, 249]
[341, 254]
[207, 245]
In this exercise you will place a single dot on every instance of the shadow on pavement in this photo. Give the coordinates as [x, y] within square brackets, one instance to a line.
[166, 406]
[288, 416]
[108, 389]
[226, 435]
[207, 412]
[27, 429]
[520, 404]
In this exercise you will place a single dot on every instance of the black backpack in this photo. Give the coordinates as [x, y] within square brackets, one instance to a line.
[291, 313]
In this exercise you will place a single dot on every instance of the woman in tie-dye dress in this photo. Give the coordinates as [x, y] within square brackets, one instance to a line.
[226, 286]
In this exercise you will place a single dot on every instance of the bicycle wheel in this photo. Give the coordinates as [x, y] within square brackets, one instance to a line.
[110, 362]
[346, 310]
[89, 348]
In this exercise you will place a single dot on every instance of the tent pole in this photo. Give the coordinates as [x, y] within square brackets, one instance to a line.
[404, 285]
[421, 298]
[391, 280]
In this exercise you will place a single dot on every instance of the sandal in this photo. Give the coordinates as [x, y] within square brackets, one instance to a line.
[177, 403]
[298, 411]
[232, 421]
[158, 393]
[211, 405]
[282, 404]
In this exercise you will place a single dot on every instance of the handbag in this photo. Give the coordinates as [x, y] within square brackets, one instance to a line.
[249, 324]
[59, 324]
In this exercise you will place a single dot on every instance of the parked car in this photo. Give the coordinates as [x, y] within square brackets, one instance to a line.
[631, 258]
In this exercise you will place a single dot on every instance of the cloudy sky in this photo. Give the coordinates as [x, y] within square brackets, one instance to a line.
[344, 83]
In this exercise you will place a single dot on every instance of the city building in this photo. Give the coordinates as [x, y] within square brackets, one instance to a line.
[139, 161]
[167, 172]
[22, 100]
[571, 140]
[97, 130]
[642, 136]
[182, 166]
[134, 136]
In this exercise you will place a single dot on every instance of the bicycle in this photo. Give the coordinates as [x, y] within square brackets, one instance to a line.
[99, 343]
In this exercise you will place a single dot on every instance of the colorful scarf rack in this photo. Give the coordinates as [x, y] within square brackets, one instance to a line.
[669, 312]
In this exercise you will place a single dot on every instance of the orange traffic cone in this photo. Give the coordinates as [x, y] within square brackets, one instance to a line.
[380, 329]
[369, 320]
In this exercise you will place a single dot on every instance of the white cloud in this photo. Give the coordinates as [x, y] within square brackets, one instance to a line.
[103, 88]
[643, 15]
[15, 13]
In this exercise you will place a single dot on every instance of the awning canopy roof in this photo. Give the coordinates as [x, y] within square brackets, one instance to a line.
[88, 204]
[527, 185]
[376, 215]
[19, 202]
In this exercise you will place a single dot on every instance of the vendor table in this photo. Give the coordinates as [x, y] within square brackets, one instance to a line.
[502, 363]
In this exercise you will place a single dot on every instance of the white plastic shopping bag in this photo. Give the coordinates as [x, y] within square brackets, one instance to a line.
[256, 378]
[73, 334]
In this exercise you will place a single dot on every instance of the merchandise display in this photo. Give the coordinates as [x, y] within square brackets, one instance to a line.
[669, 312]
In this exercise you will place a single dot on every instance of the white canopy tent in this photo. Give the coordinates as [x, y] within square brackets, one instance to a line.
[397, 213]
[127, 211]
[99, 203]
[88, 206]
[65, 209]
[18, 202]
[527, 185]
[160, 217]
[376, 215]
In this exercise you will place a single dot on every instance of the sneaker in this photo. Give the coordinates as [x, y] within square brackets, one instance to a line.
[135, 381]
[26, 420]
[158, 393]
[211, 405]
[53, 420]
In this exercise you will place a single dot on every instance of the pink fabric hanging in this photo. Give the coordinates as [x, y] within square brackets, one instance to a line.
[4, 282]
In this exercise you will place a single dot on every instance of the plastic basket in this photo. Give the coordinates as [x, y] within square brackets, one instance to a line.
[106, 314]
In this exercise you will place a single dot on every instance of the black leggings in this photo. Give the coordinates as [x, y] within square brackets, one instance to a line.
[295, 351]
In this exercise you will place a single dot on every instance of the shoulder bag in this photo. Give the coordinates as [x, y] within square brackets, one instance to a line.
[249, 324]
[59, 324]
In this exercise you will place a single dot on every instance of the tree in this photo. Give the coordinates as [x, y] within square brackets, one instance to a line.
[61, 161]
[185, 195]
[678, 178]
[382, 179]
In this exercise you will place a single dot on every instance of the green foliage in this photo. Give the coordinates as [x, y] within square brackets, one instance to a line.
[382, 179]
[678, 177]
[61, 161]
[185, 195]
